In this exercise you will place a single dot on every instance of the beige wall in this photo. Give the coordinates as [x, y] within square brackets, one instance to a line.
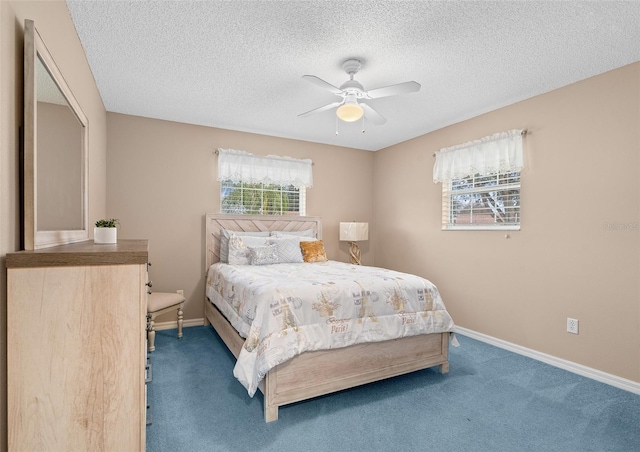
[163, 179]
[582, 172]
[60, 161]
[53, 21]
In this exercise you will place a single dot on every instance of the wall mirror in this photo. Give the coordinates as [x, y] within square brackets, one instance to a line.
[55, 197]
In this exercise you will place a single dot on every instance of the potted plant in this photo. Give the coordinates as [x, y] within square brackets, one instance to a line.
[106, 231]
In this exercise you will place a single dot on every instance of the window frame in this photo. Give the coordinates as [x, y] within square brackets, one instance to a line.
[301, 191]
[447, 201]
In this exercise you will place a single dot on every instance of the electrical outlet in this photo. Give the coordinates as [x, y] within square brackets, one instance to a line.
[180, 292]
[572, 325]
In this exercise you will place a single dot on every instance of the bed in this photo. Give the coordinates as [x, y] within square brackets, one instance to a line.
[309, 374]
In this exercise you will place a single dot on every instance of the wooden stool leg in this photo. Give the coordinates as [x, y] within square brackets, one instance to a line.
[180, 321]
[151, 334]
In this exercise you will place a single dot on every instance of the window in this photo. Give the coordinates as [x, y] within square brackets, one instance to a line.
[261, 199]
[489, 201]
[257, 185]
[481, 182]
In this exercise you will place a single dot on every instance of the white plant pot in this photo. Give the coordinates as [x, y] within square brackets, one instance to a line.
[105, 235]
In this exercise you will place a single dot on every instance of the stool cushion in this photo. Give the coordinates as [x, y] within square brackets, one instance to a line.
[160, 300]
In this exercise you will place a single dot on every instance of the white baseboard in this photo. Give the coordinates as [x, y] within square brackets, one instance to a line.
[603, 377]
[174, 324]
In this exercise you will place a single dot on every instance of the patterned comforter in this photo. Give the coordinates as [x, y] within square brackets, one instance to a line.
[285, 309]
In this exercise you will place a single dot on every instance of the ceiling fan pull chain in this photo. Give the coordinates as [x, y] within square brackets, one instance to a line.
[336, 125]
[362, 123]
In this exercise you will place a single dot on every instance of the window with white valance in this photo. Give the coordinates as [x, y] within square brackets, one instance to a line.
[481, 182]
[242, 166]
[251, 184]
[501, 152]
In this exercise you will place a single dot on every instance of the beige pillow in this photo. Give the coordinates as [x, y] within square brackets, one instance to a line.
[313, 251]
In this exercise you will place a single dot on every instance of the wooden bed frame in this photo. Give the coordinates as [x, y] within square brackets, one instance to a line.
[316, 373]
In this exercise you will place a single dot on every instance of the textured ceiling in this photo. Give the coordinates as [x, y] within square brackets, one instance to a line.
[239, 64]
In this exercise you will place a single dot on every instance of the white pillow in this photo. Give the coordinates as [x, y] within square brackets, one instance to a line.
[305, 233]
[224, 241]
[288, 248]
[239, 248]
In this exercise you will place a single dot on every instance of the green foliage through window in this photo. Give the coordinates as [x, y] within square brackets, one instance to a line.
[259, 199]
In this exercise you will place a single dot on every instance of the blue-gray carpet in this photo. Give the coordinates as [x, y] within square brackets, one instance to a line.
[491, 400]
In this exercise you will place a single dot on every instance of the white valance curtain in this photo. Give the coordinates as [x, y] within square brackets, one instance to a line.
[242, 166]
[499, 152]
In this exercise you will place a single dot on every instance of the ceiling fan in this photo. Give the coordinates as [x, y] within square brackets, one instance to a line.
[352, 106]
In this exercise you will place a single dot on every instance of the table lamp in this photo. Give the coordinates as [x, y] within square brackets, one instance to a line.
[354, 232]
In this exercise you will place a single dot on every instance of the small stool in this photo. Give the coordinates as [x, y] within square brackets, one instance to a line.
[160, 303]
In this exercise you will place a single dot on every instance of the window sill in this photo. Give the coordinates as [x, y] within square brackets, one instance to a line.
[477, 227]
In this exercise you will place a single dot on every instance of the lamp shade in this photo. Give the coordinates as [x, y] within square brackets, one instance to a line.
[350, 112]
[354, 232]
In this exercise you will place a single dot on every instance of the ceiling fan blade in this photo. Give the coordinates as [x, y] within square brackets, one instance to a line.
[372, 115]
[322, 84]
[320, 109]
[392, 90]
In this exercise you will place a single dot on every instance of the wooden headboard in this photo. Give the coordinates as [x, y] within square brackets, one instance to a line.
[256, 223]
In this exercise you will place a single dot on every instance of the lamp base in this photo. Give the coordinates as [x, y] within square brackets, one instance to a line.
[354, 252]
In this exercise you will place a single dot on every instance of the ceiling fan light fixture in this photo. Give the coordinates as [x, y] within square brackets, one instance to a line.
[350, 111]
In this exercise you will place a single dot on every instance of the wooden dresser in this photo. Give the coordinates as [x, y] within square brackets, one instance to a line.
[76, 351]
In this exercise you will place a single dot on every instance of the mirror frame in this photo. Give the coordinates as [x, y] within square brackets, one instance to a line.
[35, 47]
